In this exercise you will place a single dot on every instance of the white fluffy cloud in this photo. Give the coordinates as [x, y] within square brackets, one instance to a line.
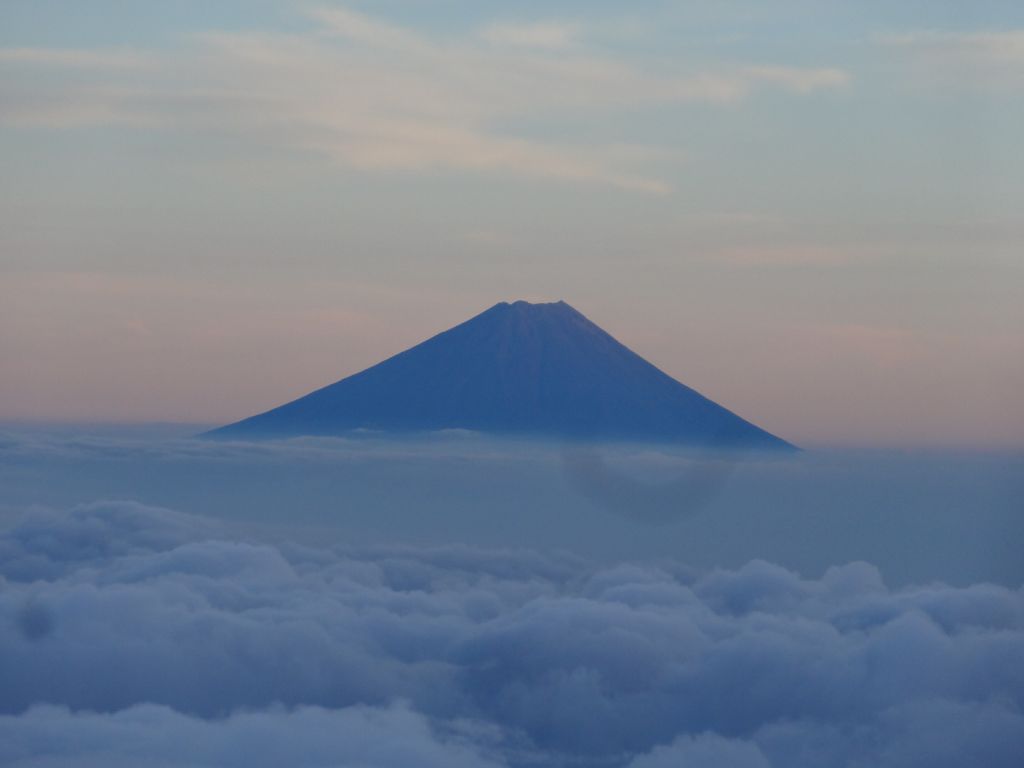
[704, 749]
[153, 735]
[129, 633]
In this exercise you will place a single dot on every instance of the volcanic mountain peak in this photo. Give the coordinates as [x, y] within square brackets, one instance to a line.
[520, 368]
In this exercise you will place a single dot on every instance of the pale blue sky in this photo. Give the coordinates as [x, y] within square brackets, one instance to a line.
[809, 211]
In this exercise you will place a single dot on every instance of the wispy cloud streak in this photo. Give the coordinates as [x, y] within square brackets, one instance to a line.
[375, 96]
[987, 59]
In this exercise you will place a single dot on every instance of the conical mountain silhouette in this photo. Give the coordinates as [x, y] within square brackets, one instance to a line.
[520, 368]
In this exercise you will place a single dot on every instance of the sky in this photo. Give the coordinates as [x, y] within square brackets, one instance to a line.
[808, 211]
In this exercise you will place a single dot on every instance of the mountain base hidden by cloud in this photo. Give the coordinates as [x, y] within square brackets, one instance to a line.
[538, 370]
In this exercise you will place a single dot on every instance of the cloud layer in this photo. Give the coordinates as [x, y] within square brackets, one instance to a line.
[129, 633]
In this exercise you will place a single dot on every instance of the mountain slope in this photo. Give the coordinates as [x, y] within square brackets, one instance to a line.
[520, 368]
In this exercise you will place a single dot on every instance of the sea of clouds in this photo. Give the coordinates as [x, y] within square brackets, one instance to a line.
[459, 603]
[131, 634]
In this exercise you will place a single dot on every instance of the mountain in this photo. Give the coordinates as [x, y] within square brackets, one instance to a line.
[524, 369]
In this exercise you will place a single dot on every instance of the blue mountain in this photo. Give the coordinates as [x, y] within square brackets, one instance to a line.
[541, 370]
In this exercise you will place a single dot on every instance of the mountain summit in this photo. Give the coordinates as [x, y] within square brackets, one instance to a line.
[520, 368]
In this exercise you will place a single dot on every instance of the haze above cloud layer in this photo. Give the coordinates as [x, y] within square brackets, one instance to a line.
[918, 517]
